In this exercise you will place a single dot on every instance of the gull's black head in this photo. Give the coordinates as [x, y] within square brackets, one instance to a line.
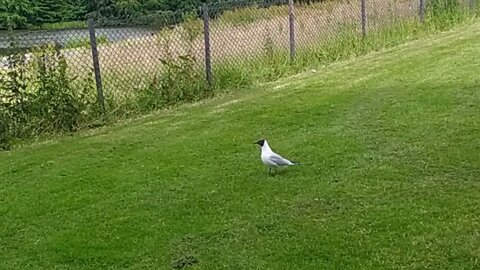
[261, 142]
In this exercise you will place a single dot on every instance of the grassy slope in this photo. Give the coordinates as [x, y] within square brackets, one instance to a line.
[390, 143]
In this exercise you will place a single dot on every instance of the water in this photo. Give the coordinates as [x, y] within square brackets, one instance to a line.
[28, 39]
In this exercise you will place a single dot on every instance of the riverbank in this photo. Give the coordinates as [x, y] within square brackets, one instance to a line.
[60, 25]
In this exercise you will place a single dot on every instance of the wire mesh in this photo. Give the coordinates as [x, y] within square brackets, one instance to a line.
[249, 31]
[383, 14]
[318, 22]
[137, 58]
[71, 42]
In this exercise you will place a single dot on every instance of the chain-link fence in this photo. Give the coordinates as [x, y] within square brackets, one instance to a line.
[183, 55]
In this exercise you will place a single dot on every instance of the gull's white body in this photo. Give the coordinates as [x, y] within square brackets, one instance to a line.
[272, 159]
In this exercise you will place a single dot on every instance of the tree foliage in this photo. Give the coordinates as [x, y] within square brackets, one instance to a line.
[15, 14]
[18, 13]
[25, 13]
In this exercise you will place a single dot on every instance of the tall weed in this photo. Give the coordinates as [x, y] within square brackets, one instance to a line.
[37, 95]
[178, 82]
[179, 78]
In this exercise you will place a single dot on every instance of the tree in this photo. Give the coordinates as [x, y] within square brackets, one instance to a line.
[17, 13]
[61, 10]
[127, 9]
[25, 13]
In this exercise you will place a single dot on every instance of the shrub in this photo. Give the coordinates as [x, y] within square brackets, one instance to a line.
[180, 81]
[36, 95]
[192, 27]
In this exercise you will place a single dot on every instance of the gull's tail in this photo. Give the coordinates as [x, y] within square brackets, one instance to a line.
[295, 163]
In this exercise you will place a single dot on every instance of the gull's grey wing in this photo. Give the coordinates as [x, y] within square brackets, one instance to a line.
[279, 160]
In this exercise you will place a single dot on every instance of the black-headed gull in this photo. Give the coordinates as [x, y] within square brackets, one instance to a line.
[272, 159]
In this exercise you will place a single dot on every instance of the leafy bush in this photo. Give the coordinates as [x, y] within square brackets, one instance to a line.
[62, 25]
[192, 27]
[36, 95]
[178, 82]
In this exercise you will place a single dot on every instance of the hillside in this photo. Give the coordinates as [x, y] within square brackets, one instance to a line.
[389, 144]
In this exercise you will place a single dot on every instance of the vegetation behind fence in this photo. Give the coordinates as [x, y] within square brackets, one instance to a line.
[60, 81]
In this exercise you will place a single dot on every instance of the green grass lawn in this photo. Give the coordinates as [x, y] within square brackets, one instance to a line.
[390, 179]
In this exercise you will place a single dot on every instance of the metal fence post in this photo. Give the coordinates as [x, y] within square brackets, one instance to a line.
[291, 24]
[96, 65]
[422, 10]
[364, 17]
[206, 35]
[472, 5]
